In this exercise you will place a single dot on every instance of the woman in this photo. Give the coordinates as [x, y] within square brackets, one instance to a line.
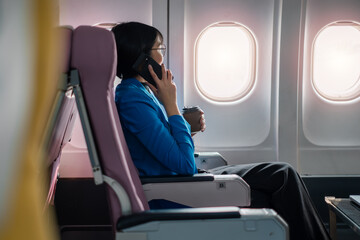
[160, 142]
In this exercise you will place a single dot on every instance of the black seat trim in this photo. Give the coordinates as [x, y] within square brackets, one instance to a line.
[178, 178]
[177, 214]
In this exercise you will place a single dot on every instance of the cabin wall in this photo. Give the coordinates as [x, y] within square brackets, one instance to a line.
[282, 118]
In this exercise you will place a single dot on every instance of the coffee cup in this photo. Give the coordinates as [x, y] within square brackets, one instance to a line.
[193, 116]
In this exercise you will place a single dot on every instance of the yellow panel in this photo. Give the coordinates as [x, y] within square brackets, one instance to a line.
[26, 217]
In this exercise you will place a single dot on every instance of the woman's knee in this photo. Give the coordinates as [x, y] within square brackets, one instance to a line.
[284, 166]
[283, 170]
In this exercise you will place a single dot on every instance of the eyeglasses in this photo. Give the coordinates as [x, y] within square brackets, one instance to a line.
[161, 48]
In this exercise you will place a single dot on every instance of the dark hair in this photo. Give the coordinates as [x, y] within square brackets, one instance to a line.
[132, 39]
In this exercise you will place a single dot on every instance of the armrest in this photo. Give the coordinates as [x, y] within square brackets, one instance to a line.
[205, 223]
[177, 214]
[223, 190]
[209, 160]
[178, 178]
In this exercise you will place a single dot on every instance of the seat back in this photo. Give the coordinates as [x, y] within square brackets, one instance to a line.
[63, 112]
[94, 62]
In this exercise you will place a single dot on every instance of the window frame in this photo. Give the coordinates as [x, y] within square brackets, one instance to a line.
[253, 64]
[353, 95]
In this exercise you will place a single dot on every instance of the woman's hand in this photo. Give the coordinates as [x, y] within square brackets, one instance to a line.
[165, 91]
[202, 123]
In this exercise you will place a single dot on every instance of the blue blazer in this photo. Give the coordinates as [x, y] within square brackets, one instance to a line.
[158, 145]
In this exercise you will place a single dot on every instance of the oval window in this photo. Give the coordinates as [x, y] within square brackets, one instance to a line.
[336, 61]
[225, 61]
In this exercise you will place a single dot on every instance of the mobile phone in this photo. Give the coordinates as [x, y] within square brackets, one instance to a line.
[141, 66]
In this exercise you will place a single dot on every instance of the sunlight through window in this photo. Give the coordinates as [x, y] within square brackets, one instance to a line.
[336, 61]
[225, 58]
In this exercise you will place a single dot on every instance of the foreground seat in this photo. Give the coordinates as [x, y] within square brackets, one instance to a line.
[63, 114]
[94, 63]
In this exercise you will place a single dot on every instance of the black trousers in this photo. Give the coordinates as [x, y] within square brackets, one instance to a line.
[279, 186]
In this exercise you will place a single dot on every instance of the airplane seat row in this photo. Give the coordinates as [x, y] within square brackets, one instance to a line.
[63, 113]
[93, 64]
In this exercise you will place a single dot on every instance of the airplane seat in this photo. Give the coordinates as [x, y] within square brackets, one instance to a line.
[108, 140]
[63, 113]
[94, 62]
[94, 57]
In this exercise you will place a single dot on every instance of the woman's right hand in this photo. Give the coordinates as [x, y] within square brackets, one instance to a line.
[165, 91]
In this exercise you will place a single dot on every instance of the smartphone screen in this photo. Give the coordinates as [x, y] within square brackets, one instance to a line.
[141, 67]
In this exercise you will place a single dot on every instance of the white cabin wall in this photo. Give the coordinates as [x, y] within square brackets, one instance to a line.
[285, 30]
[288, 139]
[245, 131]
[288, 82]
[90, 12]
[329, 133]
[160, 19]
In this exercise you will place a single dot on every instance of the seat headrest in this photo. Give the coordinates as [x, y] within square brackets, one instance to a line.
[97, 56]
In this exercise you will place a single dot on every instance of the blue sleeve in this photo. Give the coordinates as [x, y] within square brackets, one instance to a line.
[170, 144]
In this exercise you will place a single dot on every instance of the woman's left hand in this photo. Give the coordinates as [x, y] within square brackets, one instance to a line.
[165, 90]
[202, 124]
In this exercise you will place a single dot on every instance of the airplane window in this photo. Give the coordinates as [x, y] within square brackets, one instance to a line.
[225, 59]
[336, 61]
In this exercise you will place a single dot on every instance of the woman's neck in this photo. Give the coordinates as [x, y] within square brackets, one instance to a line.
[140, 79]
